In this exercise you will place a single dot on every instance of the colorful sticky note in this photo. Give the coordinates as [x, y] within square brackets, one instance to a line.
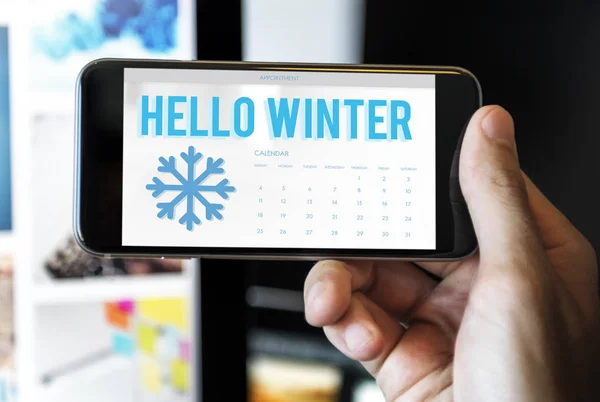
[179, 375]
[115, 316]
[184, 351]
[123, 344]
[150, 375]
[146, 337]
[167, 311]
[127, 306]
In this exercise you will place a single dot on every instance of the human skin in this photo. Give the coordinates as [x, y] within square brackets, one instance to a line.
[517, 321]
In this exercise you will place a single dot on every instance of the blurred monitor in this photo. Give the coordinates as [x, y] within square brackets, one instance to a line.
[251, 326]
[255, 337]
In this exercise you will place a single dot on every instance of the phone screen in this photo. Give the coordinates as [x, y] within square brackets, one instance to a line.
[279, 159]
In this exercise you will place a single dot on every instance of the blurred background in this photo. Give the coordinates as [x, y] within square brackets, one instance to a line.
[78, 328]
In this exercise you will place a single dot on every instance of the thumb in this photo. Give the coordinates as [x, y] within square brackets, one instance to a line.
[495, 192]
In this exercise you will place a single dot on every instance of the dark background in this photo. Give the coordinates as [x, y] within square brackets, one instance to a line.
[540, 64]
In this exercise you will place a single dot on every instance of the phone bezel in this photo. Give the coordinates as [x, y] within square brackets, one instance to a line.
[98, 231]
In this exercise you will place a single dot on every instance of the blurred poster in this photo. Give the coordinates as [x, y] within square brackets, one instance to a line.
[67, 34]
[8, 392]
[55, 252]
[5, 157]
[120, 350]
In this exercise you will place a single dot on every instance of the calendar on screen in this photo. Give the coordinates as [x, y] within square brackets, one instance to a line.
[279, 159]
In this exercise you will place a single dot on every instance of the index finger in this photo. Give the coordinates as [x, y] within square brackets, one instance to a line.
[396, 287]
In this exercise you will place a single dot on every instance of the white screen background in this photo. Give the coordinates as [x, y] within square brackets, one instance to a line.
[141, 227]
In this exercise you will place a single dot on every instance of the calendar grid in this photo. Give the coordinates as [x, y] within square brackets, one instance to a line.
[337, 202]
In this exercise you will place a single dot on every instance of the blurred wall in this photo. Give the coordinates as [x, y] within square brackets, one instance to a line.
[303, 30]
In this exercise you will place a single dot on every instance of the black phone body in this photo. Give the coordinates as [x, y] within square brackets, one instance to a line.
[272, 160]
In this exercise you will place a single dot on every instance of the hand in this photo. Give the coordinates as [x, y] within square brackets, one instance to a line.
[517, 321]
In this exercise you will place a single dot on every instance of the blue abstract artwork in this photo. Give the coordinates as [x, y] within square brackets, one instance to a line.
[71, 35]
[150, 22]
[5, 157]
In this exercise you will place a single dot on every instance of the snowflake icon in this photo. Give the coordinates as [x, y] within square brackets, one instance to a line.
[190, 188]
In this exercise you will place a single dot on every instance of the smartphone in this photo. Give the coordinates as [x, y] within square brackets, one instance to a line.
[272, 160]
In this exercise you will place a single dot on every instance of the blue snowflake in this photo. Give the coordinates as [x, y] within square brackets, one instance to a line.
[190, 188]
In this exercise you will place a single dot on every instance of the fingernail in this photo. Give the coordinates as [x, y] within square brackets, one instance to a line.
[315, 292]
[497, 126]
[357, 336]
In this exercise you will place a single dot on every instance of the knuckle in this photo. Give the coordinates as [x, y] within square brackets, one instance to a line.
[506, 183]
[506, 178]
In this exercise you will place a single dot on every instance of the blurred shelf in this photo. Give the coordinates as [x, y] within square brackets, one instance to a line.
[107, 288]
